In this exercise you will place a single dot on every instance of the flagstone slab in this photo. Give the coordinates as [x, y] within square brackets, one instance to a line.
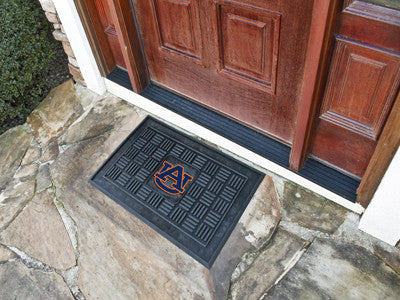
[271, 262]
[6, 254]
[13, 145]
[20, 282]
[391, 258]
[254, 229]
[311, 210]
[331, 269]
[56, 112]
[31, 155]
[43, 179]
[27, 171]
[50, 153]
[13, 198]
[103, 116]
[39, 232]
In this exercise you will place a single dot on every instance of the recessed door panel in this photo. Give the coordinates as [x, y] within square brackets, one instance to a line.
[362, 85]
[179, 27]
[248, 43]
[361, 88]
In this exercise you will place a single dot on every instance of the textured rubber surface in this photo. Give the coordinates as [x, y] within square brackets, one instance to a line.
[271, 149]
[189, 192]
[121, 77]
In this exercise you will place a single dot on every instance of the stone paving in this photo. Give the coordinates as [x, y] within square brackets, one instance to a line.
[60, 238]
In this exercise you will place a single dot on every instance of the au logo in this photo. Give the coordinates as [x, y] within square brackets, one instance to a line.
[178, 176]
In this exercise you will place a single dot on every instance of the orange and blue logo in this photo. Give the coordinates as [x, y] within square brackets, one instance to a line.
[178, 177]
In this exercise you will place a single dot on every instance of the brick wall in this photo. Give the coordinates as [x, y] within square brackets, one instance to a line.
[59, 35]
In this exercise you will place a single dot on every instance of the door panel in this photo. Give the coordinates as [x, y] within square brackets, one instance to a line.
[362, 84]
[360, 73]
[255, 64]
[243, 59]
[103, 9]
[179, 27]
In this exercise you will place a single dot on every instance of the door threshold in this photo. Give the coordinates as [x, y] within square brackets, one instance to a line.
[266, 147]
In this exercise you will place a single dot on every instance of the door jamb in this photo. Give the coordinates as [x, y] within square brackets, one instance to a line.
[97, 39]
[314, 78]
[385, 150]
[129, 41]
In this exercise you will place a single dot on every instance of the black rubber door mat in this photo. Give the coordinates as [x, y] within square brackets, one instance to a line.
[189, 192]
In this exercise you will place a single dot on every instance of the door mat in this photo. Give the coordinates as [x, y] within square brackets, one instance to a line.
[189, 192]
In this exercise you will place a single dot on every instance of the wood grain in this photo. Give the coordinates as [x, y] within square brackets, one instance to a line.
[96, 36]
[362, 85]
[260, 89]
[130, 44]
[315, 69]
[103, 8]
[178, 27]
[255, 65]
[382, 156]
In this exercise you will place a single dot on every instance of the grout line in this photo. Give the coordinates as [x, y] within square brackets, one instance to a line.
[69, 223]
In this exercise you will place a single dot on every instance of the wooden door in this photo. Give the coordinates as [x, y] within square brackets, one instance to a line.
[363, 81]
[103, 8]
[244, 59]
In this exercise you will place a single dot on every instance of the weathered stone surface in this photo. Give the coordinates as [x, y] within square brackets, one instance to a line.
[50, 153]
[31, 155]
[13, 145]
[60, 36]
[262, 214]
[137, 260]
[74, 71]
[391, 258]
[103, 116]
[120, 257]
[43, 179]
[6, 254]
[49, 241]
[73, 61]
[19, 282]
[254, 228]
[13, 198]
[27, 171]
[271, 262]
[68, 49]
[349, 233]
[335, 270]
[310, 210]
[101, 221]
[86, 96]
[53, 18]
[57, 111]
[48, 5]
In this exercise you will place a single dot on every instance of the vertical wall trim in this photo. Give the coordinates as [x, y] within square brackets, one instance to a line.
[80, 45]
[381, 218]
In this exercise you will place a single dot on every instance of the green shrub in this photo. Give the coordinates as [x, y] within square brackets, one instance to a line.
[26, 50]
